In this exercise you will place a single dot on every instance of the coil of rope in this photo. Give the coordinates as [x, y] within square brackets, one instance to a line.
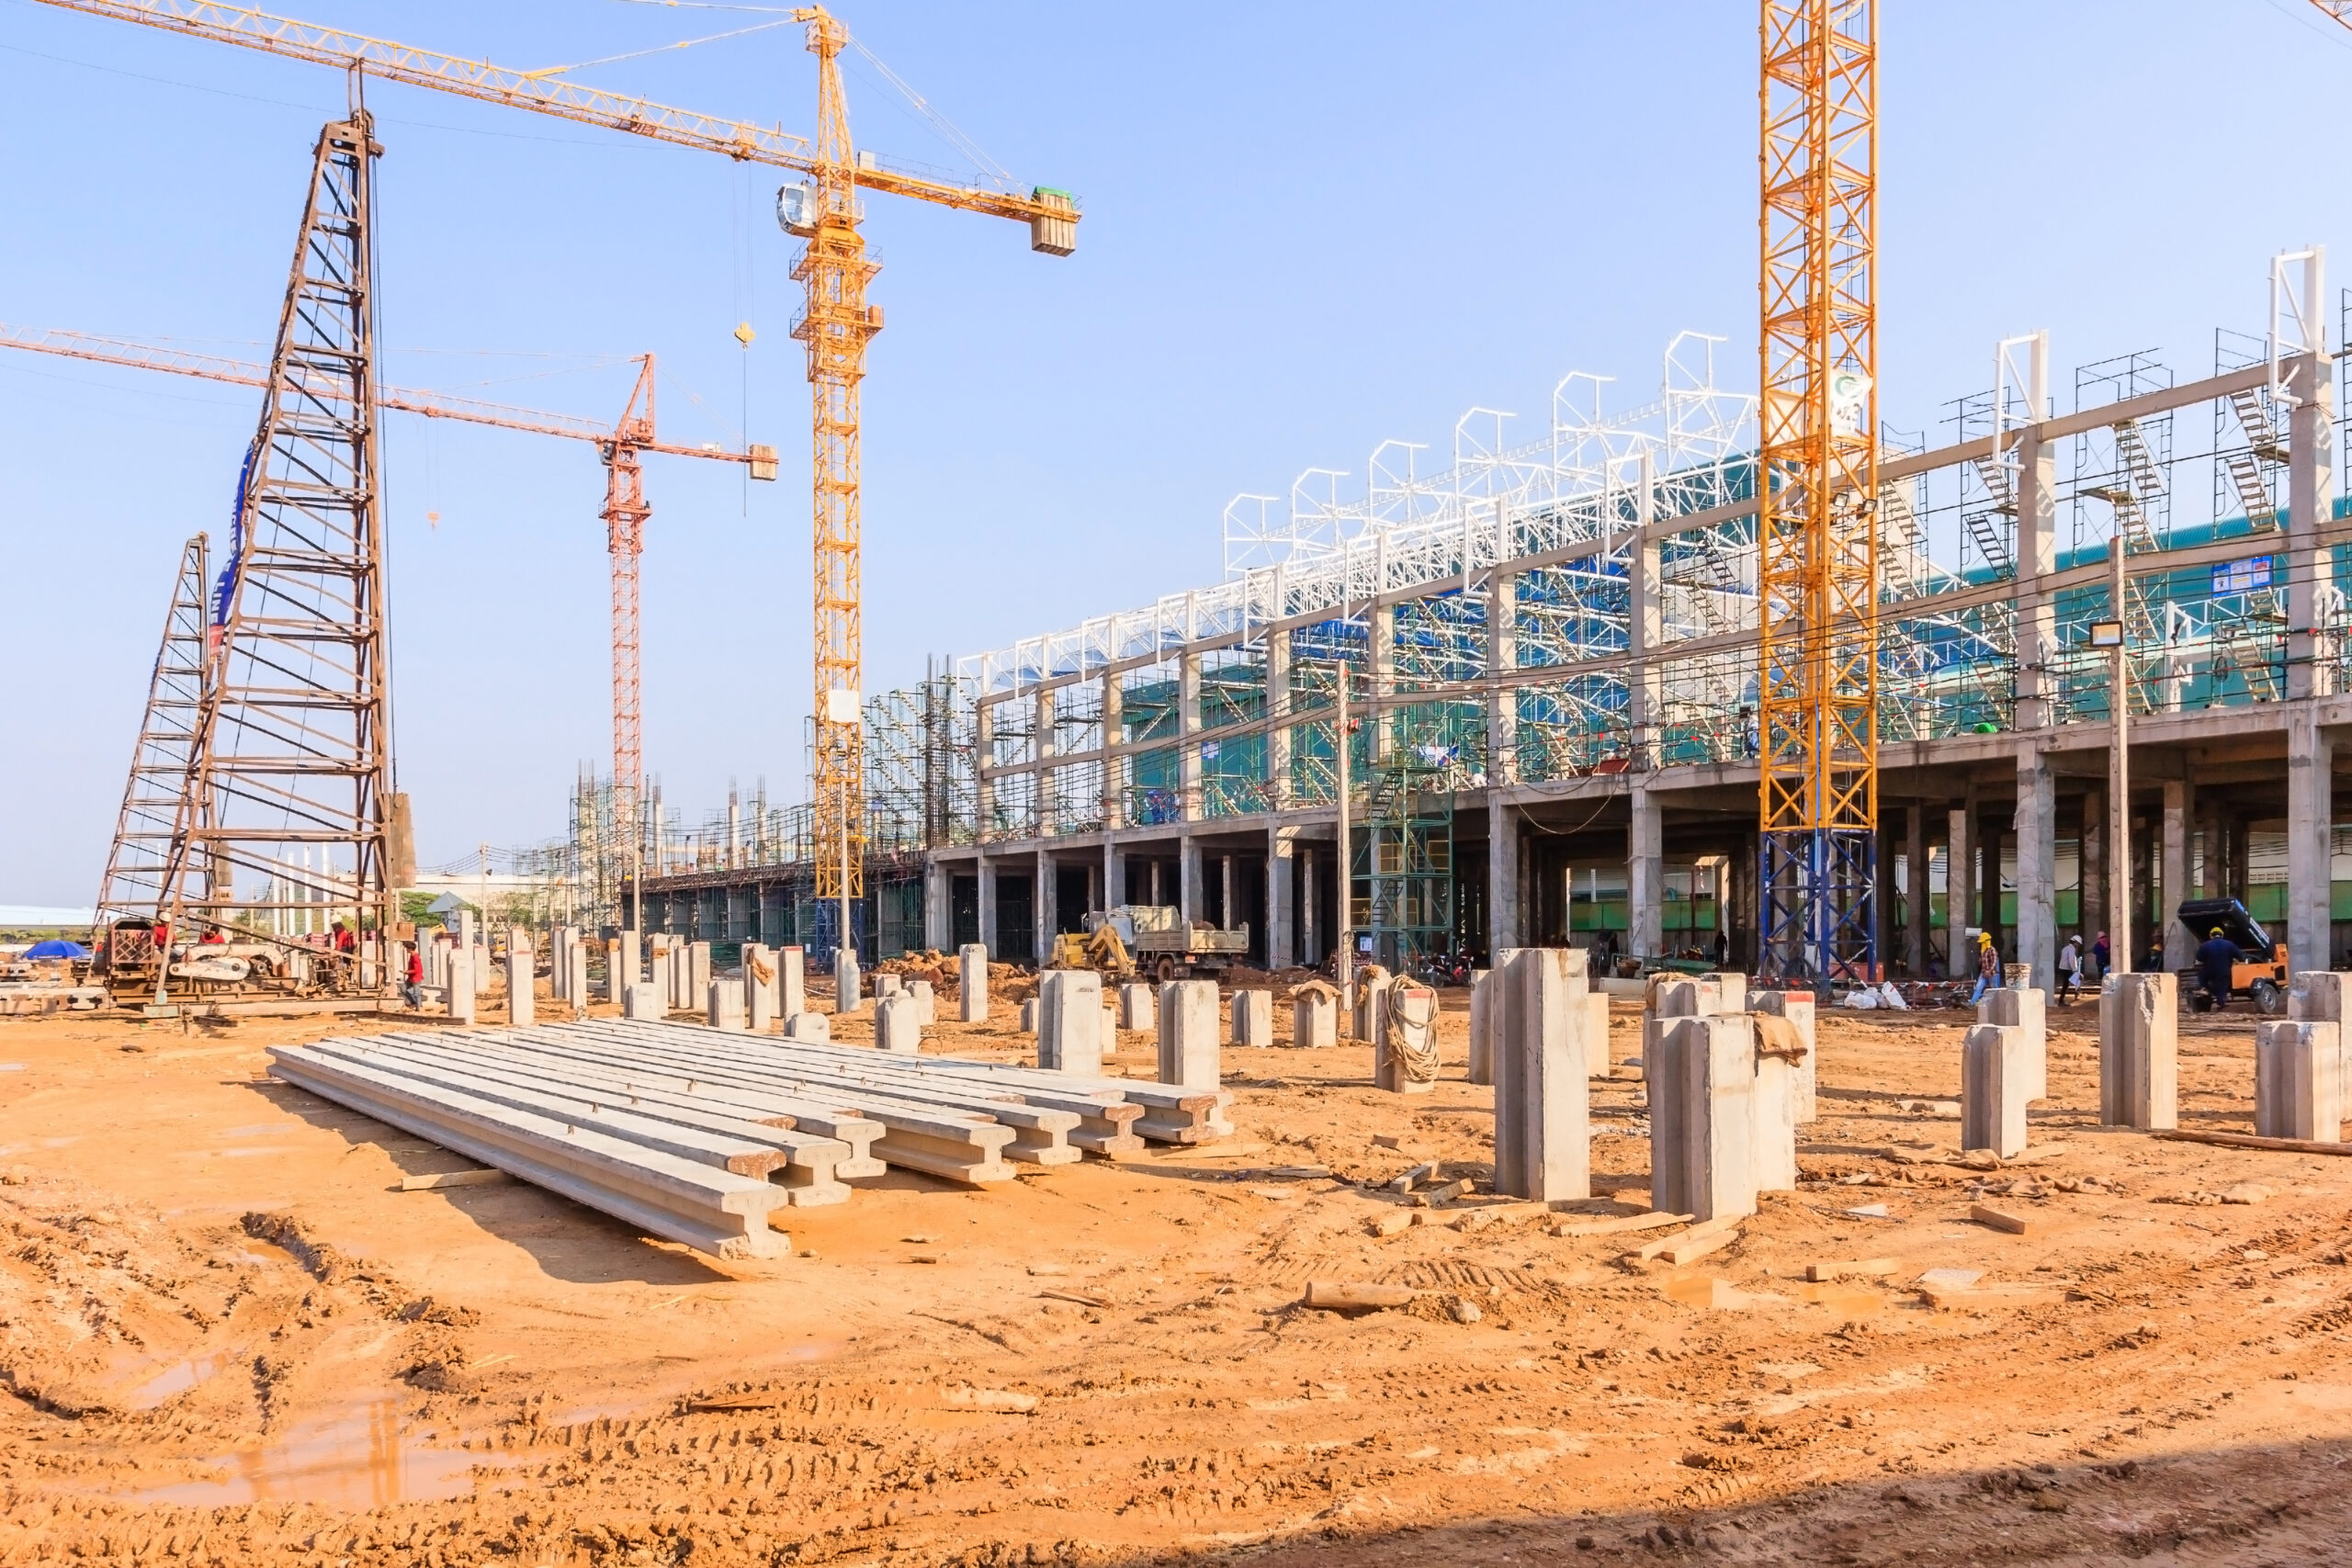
[1419, 1064]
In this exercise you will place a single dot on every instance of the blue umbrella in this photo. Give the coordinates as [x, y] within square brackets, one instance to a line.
[57, 950]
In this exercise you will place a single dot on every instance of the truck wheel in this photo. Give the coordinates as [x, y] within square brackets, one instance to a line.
[2266, 1000]
[1169, 970]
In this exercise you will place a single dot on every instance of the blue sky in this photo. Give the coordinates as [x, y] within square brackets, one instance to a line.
[1308, 228]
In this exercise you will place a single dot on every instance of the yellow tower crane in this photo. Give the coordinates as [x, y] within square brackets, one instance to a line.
[836, 326]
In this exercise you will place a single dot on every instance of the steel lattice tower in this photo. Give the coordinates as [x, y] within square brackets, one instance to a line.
[290, 780]
[1817, 532]
[134, 880]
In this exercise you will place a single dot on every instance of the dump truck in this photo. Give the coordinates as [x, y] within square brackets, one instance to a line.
[1153, 940]
[2260, 973]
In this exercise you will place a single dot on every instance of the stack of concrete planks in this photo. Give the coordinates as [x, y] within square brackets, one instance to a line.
[700, 1135]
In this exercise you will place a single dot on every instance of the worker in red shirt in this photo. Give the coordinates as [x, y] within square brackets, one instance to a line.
[414, 987]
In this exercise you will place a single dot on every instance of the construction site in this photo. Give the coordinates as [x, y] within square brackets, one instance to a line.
[1708, 978]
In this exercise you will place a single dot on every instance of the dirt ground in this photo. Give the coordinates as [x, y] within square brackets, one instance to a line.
[231, 1340]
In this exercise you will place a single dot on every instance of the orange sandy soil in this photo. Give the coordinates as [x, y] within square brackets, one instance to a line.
[230, 1340]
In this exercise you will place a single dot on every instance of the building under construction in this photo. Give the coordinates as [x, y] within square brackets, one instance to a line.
[1550, 652]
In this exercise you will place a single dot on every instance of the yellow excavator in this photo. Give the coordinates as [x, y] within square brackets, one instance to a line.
[1099, 949]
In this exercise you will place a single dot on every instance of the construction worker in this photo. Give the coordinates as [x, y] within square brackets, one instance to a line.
[1988, 967]
[413, 983]
[2216, 961]
[2070, 970]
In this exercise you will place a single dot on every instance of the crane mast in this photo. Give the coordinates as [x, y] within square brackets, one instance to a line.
[1817, 487]
[836, 326]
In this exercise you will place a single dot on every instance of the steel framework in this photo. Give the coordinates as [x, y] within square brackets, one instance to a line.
[133, 883]
[289, 778]
[1818, 529]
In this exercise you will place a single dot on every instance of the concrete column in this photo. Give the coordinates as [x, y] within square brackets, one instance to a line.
[697, 971]
[2037, 829]
[1482, 1037]
[1190, 805]
[2037, 498]
[938, 907]
[1960, 890]
[1382, 674]
[1883, 895]
[578, 987]
[1070, 1023]
[1543, 1066]
[1114, 877]
[1503, 925]
[1988, 897]
[1188, 1044]
[1915, 889]
[2091, 851]
[1188, 878]
[632, 961]
[897, 1025]
[1804, 1076]
[1502, 702]
[1044, 904]
[1281, 896]
[1993, 1089]
[983, 771]
[2298, 1081]
[1041, 743]
[791, 981]
[2311, 496]
[847, 996]
[1138, 1006]
[1404, 1032]
[2139, 1065]
[1703, 1115]
[1115, 765]
[521, 1012]
[2180, 947]
[1253, 1019]
[1314, 1019]
[462, 987]
[1646, 878]
[987, 870]
[642, 1002]
[2213, 848]
[972, 982]
[1278, 716]
[1310, 949]
[759, 986]
[723, 1000]
[1646, 628]
[2311, 816]
[2028, 1011]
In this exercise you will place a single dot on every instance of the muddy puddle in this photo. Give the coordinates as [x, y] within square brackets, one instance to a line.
[362, 1456]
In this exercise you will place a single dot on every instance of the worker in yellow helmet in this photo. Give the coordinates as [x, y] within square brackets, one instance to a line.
[1988, 967]
[2217, 961]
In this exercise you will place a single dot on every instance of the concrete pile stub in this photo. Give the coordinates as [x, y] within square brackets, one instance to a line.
[577, 997]
[1996, 1073]
[848, 996]
[1070, 1023]
[813, 1028]
[926, 1005]
[1137, 1007]
[1704, 1156]
[697, 971]
[1542, 1109]
[1731, 991]
[2139, 1065]
[791, 981]
[759, 988]
[888, 985]
[462, 989]
[1253, 1019]
[1482, 1042]
[2316, 995]
[642, 1000]
[972, 983]
[895, 1029]
[632, 963]
[559, 942]
[1314, 1016]
[1404, 1036]
[2027, 1009]
[1797, 1008]
[1188, 1045]
[521, 996]
[725, 1005]
[2298, 1080]
[1028, 1022]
